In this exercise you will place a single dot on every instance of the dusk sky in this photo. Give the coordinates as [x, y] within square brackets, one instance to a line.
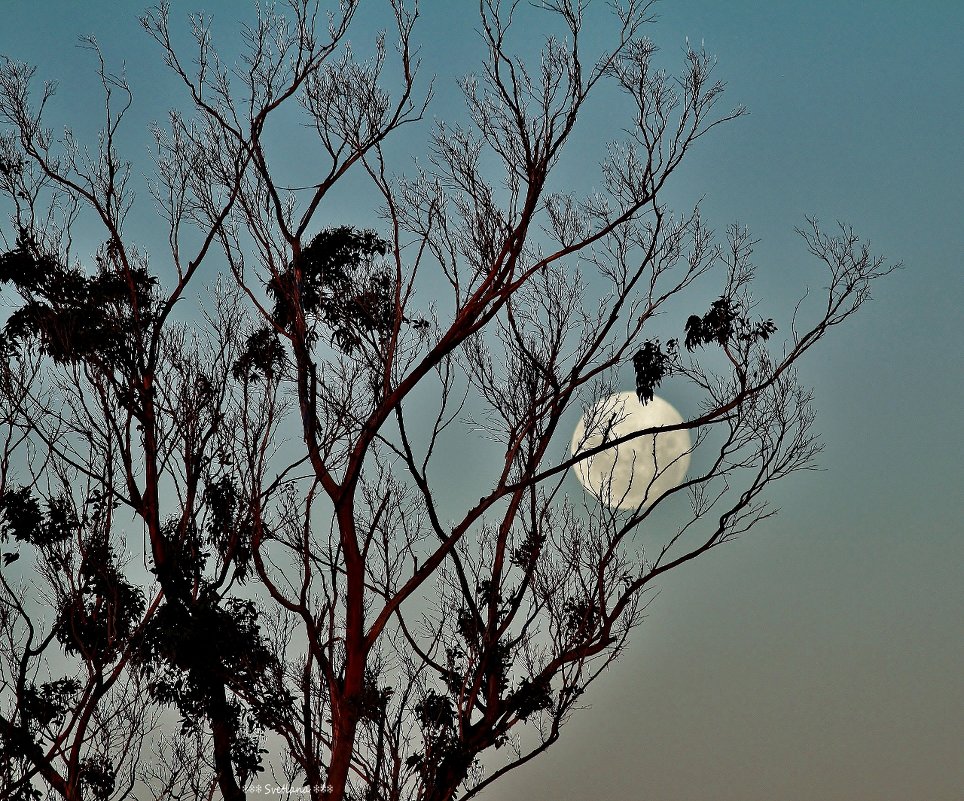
[820, 656]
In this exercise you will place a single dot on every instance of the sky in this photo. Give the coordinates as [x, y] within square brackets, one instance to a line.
[821, 656]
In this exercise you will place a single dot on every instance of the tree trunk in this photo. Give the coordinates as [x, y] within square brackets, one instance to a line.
[222, 734]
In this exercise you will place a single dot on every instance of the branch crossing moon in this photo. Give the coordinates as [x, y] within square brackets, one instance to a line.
[638, 472]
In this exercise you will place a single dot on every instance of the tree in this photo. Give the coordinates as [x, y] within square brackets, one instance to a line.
[306, 599]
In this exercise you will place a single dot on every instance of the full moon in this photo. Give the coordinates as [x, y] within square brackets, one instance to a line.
[637, 472]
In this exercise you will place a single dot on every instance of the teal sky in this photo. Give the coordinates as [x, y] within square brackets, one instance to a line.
[821, 656]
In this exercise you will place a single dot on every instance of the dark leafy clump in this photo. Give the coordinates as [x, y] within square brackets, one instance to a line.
[40, 708]
[61, 522]
[98, 778]
[192, 650]
[261, 358]
[21, 518]
[722, 324]
[581, 618]
[435, 711]
[469, 626]
[370, 704]
[229, 531]
[527, 552]
[531, 697]
[652, 364]
[336, 281]
[207, 639]
[714, 326]
[100, 618]
[47, 705]
[446, 755]
[20, 515]
[76, 317]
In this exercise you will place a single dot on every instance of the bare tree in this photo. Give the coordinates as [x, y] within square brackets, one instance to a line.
[307, 600]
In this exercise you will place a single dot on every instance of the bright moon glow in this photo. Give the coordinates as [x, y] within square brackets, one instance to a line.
[637, 472]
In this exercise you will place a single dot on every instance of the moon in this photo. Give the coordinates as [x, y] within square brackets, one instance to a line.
[636, 473]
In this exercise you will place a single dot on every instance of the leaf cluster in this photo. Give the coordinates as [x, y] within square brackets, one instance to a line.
[100, 618]
[436, 713]
[21, 518]
[723, 323]
[39, 708]
[262, 356]
[208, 640]
[48, 704]
[229, 531]
[372, 701]
[335, 280]
[192, 652]
[651, 364]
[525, 554]
[98, 778]
[582, 618]
[531, 697]
[77, 317]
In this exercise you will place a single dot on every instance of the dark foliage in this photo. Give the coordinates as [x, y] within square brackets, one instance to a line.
[61, 522]
[23, 519]
[469, 626]
[435, 711]
[335, 281]
[263, 354]
[20, 515]
[187, 557]
[525, 554]
[652, 364]
[722, 323]
[758, 331]
[714, 326]
[228, 530]
[100, 618]
[97, 778]
[581, 617]
[370, 704]
[40, 708]
[27, 269]
[11, 163]
[193, 652]
[8, 350]
[76, 317]
[24, 791]
[206, 640]
[446, 757]
[532, 697]
[48, 704]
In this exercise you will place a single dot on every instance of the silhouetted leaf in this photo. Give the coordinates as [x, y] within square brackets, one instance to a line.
[435, 711]
[47, 704]
[714, 326]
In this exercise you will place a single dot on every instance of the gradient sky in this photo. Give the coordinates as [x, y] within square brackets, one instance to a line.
[821, 656]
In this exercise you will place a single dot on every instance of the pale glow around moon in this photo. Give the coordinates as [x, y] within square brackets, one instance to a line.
[637, 472]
